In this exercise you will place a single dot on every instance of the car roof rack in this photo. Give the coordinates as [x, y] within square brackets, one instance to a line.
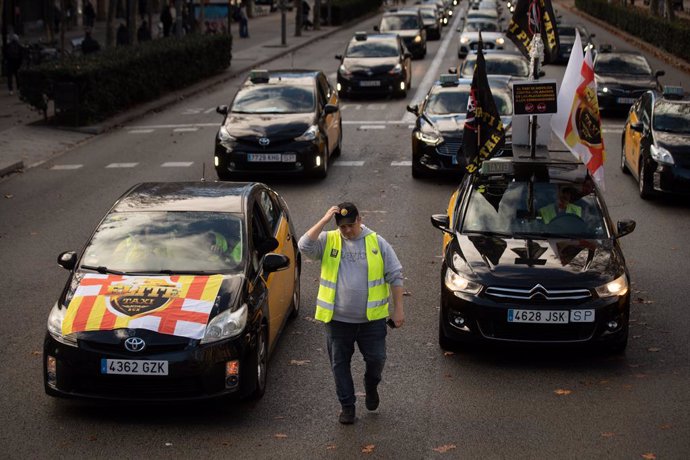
[259, 76]
[360, 36]
[448, 79]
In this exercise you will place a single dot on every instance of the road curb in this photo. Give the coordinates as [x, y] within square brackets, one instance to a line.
[11, 168]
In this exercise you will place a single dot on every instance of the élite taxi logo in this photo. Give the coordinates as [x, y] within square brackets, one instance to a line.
[142, 297]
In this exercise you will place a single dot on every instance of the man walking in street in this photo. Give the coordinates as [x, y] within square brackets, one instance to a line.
[359, 269]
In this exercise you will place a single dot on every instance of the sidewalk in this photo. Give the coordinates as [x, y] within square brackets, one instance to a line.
[26, 141]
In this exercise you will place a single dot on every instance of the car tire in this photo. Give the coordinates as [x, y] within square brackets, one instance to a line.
[618, 347]
[259, 364]
[322, 171]
[296, 295]
[417, 172]
[624, 166]
[339, 149]
[644, 182]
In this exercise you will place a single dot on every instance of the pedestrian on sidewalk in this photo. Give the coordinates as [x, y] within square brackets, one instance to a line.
[89, 44]
[89, 14]
[13, 55]
[244, 21]
[359, 269]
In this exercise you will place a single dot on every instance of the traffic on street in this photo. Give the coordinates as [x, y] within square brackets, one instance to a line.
[157, 303]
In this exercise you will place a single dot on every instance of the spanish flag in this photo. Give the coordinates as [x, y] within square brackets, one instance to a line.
[175, 305]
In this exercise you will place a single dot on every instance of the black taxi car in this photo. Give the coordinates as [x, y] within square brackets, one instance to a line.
[622, 77]
[279, 122]
[409, 25]
[656, 142]
[374, 63]
[438, 132]
[180, 293]
[530, 255]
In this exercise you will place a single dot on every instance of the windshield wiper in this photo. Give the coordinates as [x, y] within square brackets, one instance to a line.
[103, 270]
[487, 233]
[174, 272]
[546, 235]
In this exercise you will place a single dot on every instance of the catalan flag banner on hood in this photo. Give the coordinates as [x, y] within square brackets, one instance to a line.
[578, 122]
[534, 17]
[175, 305]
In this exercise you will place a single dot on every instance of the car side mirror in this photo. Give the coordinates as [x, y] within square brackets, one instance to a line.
[222, 109]
[637, 126]
[413, 108]
[330, 108]
[267, 245]
[376, 28]
[442, 222]
[339, 57]
[273, 262]
[67, 260]
[659, 73]
[624, 227]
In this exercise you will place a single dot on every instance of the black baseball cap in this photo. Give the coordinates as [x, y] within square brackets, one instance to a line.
[347, 215]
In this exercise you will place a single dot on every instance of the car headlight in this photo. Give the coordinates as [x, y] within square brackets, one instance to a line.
[418, 39]
[500, 41]
[617, 287]
[661, 155]
[226, 325]
[604, 89]
[55, 320]
[458, 283]
[310, 134]
[344, 71]
[224, 135]
[430, 138]
[396, 70]
[464, 40]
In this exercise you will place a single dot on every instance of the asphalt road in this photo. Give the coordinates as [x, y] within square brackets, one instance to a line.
[502, 403]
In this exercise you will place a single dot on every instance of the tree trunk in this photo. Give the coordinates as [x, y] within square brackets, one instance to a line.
[109, 33]
[298, 18]
[178, 19]
[317, 14]
[132, 21]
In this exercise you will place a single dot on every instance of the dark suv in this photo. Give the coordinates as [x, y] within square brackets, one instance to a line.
[530, 255]
[409, 24]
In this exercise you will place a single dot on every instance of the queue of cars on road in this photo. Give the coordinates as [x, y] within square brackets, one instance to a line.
[183, 289]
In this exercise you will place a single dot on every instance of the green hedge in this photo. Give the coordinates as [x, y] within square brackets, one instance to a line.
[119, 78]
[343, 11]
[672, 36]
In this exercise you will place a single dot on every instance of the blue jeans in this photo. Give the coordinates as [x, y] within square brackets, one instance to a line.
[371, 340]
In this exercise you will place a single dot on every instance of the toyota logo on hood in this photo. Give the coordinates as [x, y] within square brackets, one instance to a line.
[264, 141]
[135, 344]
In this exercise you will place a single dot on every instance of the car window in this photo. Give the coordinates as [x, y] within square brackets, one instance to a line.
[372, 49]
[445, 102]
[497, 66]
[259, 235]
[324, 87]
[177, 241]
[274, 99]
[544, 209]
[630, 64]
[270, 210]
[399, 23]
[672, 117]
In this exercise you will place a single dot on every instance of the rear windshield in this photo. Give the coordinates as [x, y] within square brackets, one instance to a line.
[399, 23]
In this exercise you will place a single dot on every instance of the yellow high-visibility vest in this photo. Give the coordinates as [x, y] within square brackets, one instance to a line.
[377, 288]
[548, 213]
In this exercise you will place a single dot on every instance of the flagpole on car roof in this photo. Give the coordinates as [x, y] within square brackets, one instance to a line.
[536, 53]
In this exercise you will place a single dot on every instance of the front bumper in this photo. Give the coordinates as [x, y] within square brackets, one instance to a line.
[672, 179]
[438, 159]
[617, 100]
[235, 159]
[374, 84]
[194, 373]
[485, 320]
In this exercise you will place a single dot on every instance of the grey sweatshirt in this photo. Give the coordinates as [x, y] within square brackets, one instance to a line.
[351, 288]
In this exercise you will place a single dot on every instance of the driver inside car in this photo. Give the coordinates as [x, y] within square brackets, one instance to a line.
[564, 205]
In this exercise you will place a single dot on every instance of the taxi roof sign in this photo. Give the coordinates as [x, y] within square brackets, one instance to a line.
[448, 79]
[673, 92]
[259, 76]
[496, 166]
[360, 36]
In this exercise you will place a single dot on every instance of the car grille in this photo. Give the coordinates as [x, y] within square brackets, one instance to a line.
[502, 330]
[140, 387]
[485, 45]
[119, 348]
[627, 92]
[449, 148]
[537, 294]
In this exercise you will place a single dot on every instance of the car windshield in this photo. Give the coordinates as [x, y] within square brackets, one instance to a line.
[481, 26]
[539, 210]
[399, 23]
[672, 117]
[372, 49]
[566, 31]
[274, 99]
[515, 66]
[446, 101]
[177, 241]
[628, 64]
[428, 13]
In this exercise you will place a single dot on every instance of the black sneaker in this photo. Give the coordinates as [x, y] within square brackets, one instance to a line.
[347, 415]
[372, 399]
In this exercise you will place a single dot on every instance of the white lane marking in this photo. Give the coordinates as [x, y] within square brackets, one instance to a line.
[177, 164]
[401, 163]
[185, 130]
[65, 167]
[122, 165]
[432, 71]
[188, 125]
[378, 122]
[140, 131]
[365, 127]
[348, 163]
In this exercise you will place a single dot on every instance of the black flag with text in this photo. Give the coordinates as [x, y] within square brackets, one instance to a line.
[483, 134]
[530, 17]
